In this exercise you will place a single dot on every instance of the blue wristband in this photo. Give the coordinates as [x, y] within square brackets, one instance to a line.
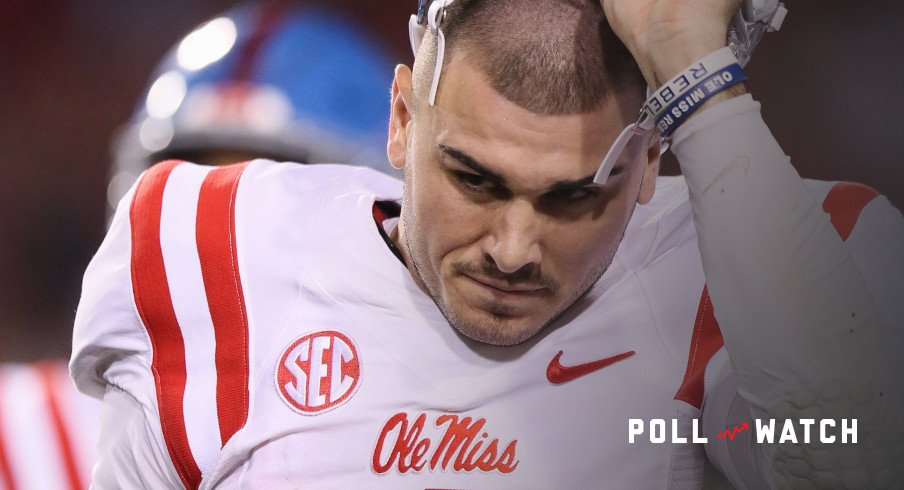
[679, 110]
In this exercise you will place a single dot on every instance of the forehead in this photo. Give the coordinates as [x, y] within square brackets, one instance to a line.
[534, 149]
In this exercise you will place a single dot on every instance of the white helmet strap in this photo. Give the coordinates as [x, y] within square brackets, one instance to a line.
[430, 15]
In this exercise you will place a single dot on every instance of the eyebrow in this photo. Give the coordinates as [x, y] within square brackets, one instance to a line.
[481, 169]
[471, 163]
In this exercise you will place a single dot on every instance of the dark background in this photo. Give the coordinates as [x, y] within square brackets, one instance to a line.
[70, 72]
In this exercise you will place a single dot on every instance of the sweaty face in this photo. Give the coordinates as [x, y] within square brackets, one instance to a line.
[499, 223]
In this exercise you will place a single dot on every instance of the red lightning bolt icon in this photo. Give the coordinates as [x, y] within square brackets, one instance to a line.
[731, 433]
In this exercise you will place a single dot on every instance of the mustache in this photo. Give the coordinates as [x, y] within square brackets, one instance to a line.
[529, 276]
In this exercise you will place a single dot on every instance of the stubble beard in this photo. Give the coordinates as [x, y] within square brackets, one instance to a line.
[496, 329]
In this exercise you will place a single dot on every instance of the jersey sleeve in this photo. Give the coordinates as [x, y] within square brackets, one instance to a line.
[115, 356]
[107, 329]
[131, 448]
[163, 331]
[803, 294]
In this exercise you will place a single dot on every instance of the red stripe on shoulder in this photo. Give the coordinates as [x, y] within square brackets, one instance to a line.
[47, 375]
[6, 470]
[155, 307]
[705, 342]
[217, 251]
[844, 203]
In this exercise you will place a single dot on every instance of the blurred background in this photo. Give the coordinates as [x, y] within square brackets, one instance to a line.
[71, 72]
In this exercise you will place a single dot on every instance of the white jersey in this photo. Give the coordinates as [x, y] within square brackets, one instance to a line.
[48, 430]
[259, 330]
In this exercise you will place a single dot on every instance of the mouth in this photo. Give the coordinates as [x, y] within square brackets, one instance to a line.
[506, 291]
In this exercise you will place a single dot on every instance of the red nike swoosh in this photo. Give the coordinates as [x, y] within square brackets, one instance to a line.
[557, 374]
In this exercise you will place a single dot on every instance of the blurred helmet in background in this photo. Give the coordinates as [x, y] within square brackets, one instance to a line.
[276, 80]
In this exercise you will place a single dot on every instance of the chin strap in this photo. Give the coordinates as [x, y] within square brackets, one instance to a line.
[430, 15]
[672, 103]
[625, 148]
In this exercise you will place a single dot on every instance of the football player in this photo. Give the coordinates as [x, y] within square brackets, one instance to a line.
[496, 319]
[262, 79]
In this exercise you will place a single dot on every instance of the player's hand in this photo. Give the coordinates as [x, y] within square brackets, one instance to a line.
[667, 36]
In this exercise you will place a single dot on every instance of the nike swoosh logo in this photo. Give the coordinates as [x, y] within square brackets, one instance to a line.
[557, 374]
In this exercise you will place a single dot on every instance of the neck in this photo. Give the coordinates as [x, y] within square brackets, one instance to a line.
[398, 238]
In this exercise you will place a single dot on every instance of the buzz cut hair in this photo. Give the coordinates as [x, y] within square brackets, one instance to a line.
[551, 57]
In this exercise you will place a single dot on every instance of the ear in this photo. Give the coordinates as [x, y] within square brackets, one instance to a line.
[648, 184]
[399, 117]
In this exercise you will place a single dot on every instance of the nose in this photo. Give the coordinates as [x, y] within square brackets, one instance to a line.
[513, 242]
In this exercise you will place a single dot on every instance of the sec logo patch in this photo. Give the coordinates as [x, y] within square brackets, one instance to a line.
[318, 372]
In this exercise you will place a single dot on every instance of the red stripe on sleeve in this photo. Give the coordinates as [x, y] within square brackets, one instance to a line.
[844, 203]
[6, 469]
[155, 307]
[705, 342]
[64, 440]
[223, 286]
